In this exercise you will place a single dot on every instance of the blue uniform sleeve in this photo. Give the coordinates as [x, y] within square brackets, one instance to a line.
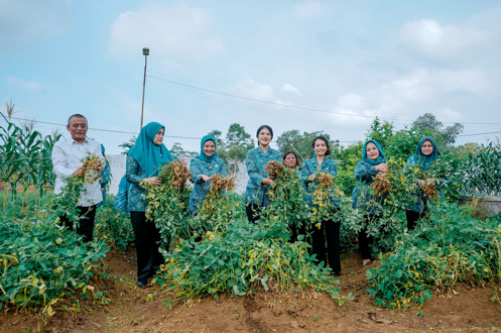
[196, 170]
[365, 172]
[333, 169]
[253, 169]
[305, 172]
[132, 171]
[222, 169]
[121, 200]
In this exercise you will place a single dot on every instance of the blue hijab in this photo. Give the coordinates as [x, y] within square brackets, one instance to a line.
[380, 158]
[424, 160]
[202, 155]
[148, 155]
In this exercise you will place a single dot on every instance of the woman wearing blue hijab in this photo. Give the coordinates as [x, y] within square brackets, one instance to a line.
[203, 167]
[372, 163]
[144, 162]
[426, 153]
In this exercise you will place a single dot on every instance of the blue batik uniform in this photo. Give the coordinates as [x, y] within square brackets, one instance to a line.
[423, 162]
[144, 160]
[204, 165]
[311, 166]
[365, 174]
[257, 159]
[121, 200]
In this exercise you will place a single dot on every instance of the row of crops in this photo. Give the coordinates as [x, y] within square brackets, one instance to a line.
[218, 252]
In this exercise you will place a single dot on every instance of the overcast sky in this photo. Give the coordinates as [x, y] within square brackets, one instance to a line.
[315, 65]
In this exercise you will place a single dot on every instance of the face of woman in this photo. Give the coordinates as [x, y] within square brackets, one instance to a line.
[264, 137]
[209, 148]
[159, 137]
[372, 151]
[427, 148]
[290, 161]
[320, 148]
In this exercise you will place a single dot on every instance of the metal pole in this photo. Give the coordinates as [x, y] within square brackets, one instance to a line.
[146, 52]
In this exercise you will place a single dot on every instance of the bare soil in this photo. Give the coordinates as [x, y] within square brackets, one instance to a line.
[131, 309]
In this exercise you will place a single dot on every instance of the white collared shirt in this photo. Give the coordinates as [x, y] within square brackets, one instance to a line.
[67, 156]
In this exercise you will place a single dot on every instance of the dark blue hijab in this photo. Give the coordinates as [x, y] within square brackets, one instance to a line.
[422, 159]
[380, 158]
[151, 157]
[202, 155]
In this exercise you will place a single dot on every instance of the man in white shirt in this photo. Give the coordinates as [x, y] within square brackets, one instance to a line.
[67, 156]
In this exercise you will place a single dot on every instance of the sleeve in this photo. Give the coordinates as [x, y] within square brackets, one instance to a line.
[409, 164]
[222, 170]
[121, 198]
[365, 172]
[333, 169]
[305, 172]
[59, 159]
[132, 171]
[196, 170]
[253, 169]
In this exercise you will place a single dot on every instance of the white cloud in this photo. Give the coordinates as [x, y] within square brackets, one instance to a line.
[25, 84]
[308, 9]
[253, 90]
[24, 21]
[432, 39]
[448, 115]
[176, 32]
[288, 88]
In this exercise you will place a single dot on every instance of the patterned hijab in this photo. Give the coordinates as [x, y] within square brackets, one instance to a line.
[202, 155]
[151, 157]
[425, 160]
[380, 159]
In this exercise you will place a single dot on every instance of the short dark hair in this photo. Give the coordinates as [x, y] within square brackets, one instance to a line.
[328, 152]
[76, 115]
[261, 128]
[293, 153]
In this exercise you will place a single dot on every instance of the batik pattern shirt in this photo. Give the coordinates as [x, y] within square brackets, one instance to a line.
[365, 174]
[257, 159]
[310, 167]
[201, 188]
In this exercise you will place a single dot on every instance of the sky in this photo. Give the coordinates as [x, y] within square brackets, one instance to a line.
[327, 66]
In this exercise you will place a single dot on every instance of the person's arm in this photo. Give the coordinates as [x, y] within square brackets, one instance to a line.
[333, 169]
[253, 170]
[196, 169]
[132, 171]
[222, 169]
[365, 172]
[305, 172]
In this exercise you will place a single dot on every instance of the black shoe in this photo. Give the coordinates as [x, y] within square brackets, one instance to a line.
[141, 284]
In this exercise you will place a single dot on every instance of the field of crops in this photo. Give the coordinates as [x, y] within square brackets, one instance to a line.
[223, 274]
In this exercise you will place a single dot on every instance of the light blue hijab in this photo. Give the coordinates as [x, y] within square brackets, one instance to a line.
[151, 157]
[202, 155]
[380, 159]
[424, 160]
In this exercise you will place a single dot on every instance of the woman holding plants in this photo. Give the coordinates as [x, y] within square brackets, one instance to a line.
[256, 192]
[203, 167]
[317, 175]
[419, 163]
[373, 162]
[144, 162]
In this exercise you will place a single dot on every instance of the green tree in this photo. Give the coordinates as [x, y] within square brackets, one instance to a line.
[237, 136]
[301, 144]
[178, 150]
[128, 145]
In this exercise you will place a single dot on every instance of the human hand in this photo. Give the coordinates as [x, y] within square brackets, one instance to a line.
[78, 172]
[153, 181]
[382, 167]
[313, 176]
[205, 178]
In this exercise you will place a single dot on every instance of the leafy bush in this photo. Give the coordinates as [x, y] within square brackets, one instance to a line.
[113, 227]
[42, 262]
[449, 247]
[481, 171]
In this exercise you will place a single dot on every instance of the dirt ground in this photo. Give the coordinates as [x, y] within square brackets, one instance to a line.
[130, 309]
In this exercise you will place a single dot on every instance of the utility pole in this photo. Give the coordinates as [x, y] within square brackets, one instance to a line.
[146, 53]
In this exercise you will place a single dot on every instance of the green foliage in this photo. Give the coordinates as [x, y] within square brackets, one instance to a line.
[449, 247]
[24, 156]
[178, 150]
[112, 227]
[301, 143]
[42, 262]
[128, 145]
[234, 149]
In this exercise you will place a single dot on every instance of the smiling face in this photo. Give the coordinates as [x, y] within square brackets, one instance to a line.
[372, 151]
[264, 137]
[159, 137]
[209, 148]
[427, 148]
[77, 127]
[290, 161]
[320, 147]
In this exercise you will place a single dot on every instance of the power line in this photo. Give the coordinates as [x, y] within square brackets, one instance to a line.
[297, 107]
[480, 133]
